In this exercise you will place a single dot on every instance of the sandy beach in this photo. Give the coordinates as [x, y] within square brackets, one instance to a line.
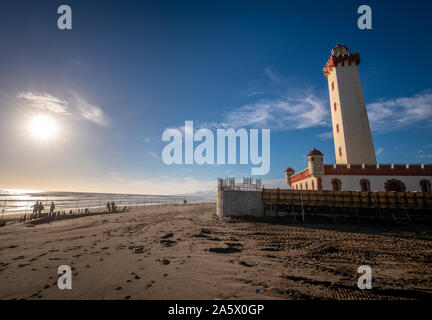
[187, 252]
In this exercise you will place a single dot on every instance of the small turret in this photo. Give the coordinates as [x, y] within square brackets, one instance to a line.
[288, 173]
[315, 163]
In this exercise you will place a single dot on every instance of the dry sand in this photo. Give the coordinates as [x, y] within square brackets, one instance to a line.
[279, 257]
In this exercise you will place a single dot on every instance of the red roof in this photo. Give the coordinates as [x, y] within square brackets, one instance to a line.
[289, 170]
[315, 152]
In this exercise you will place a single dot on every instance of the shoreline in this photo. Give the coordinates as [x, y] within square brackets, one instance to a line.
[187, 252]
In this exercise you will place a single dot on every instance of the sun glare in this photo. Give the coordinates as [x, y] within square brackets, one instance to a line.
[42, 127]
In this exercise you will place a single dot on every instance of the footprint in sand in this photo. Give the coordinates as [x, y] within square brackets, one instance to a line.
[23, 265]
[18, 258]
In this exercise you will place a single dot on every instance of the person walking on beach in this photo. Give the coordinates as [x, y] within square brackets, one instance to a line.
[35, 209]
[52, 207]
[113, 207]
[40, 209]
[108, 206]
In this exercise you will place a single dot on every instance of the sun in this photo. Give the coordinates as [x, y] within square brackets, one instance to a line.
[42, 128]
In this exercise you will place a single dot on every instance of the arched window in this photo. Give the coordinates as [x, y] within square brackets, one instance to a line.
[337, 184]
[313, 185]
[340, 152]
[337, 128]
[332, 85]
[335, 106]
[306, 185]
[364, 185]
[395, 185]
[425, 185]
[301, 186]
[319, 184]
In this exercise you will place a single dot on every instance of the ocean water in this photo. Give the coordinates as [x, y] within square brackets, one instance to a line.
[21, 201]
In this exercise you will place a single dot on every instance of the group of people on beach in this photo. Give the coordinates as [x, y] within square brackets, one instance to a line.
[38, 209]
[111, 207]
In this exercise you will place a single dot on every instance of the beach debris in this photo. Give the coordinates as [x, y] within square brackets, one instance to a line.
[163, 261]
[206, 231]
[168, 235]
[243, 263]
[224, 250]
[327, 250]
[228, 248]
[138, 249]
[167, 242]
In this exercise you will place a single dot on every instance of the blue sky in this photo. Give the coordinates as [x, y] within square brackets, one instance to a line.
[130, 69]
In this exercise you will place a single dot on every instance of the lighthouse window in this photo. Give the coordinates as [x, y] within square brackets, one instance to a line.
[313, 185]
[337, 128]
[340, 152]
[335, 107]
[332, 85]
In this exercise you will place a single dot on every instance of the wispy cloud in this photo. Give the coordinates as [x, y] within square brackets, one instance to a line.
[392, 114]
[280, 114]
[153, 155]
[91, 112]
[44, 101]
[379, 151]
[325, 135]
[272, 75]
[74, 105]
[425, 156]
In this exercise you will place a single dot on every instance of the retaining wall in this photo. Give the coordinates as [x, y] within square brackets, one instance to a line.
[239, 203]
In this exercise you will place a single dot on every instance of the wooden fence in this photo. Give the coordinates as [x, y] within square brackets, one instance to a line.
[348, 202]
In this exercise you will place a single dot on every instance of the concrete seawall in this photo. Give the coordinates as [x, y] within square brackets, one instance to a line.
[239, 203]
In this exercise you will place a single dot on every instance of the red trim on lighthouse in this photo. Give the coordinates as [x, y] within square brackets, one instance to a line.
[333, 61]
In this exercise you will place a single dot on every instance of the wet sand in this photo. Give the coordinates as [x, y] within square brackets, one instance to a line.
[186, 252]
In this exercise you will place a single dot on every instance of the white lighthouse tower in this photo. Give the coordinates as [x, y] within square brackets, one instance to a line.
[351, 131]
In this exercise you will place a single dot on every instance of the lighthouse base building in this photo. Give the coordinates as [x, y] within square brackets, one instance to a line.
[356, 168]
[348, 177]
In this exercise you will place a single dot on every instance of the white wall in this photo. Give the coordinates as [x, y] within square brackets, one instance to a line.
[302, 184]
[377, 183]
